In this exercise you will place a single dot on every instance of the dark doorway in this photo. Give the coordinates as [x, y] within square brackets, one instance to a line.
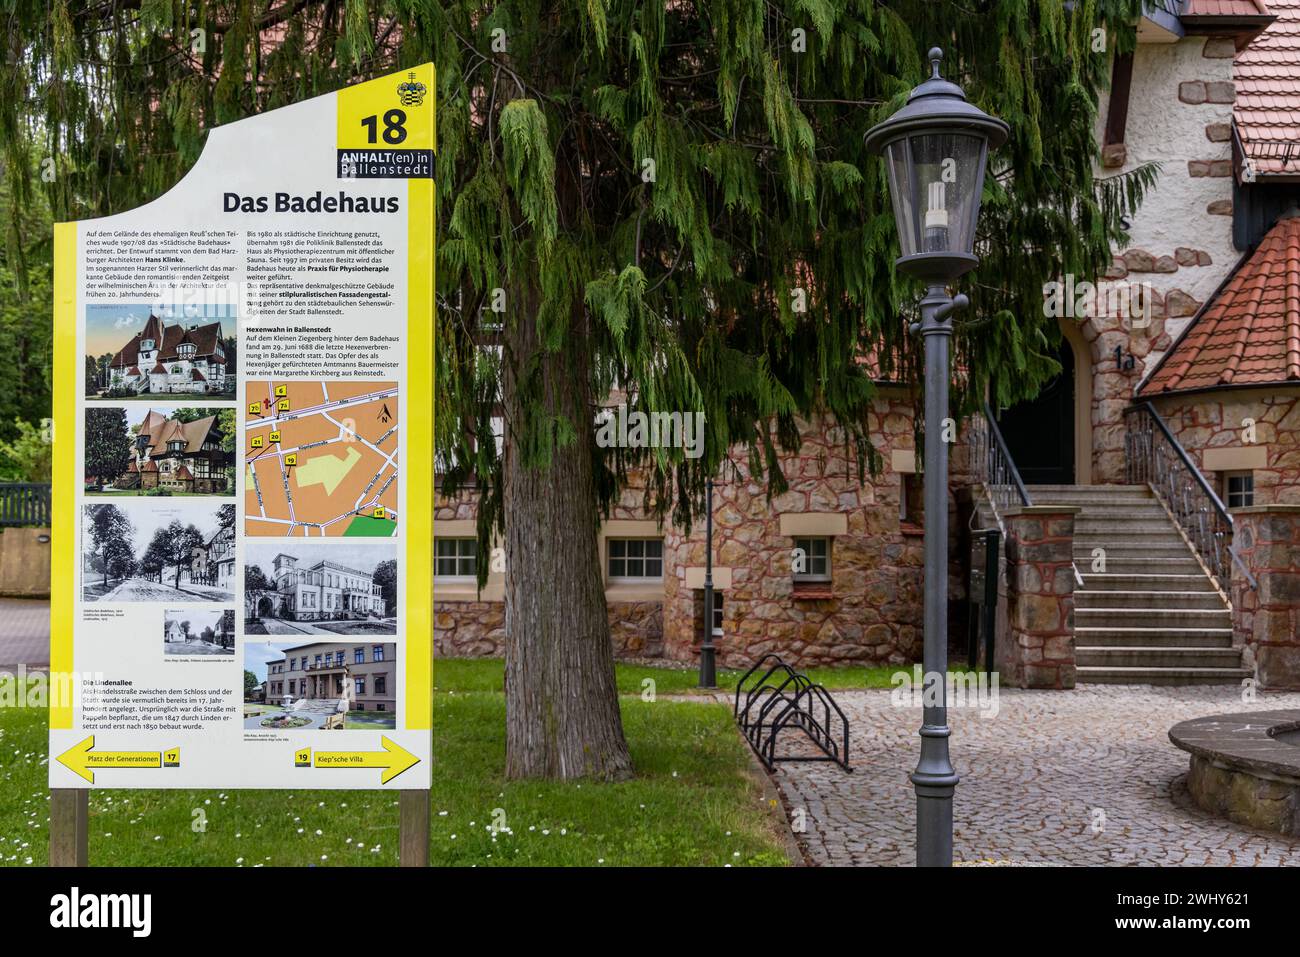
[1040, 432]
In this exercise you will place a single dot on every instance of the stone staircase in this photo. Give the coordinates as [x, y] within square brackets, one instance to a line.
[1154, 616]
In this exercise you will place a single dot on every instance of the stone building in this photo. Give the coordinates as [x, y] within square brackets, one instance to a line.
[365, 675]
[322, 591]
[1122, 562]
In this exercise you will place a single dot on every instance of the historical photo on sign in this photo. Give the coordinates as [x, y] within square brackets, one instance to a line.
[322, 685]
[138, 351]
[160, 450]
[145, 551]
[335, 589]
[321, 459]
[199, 630]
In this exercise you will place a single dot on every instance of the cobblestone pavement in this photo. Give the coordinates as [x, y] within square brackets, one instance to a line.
[24, 632]
[1057, 777]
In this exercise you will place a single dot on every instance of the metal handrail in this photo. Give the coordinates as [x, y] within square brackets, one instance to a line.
[993, 466]
[1154, 457]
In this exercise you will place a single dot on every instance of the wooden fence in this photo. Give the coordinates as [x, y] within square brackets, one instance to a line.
[24, 505]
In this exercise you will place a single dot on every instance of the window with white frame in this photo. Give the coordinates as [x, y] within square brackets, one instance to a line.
[456, 558]
[1239, 488]
[636, 558]
[815, 563]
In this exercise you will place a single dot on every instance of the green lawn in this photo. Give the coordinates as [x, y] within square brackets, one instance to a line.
[693, 801]
[486, 674]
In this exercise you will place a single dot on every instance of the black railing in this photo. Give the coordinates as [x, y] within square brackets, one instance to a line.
[993, 465]
[1155, 458]
[24, 505]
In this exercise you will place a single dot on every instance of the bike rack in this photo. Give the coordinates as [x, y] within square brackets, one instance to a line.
[783, 698]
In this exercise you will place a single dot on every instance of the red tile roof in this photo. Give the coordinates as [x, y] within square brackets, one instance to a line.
[1249, 332]
[167, 340]
[160, 430]
[1227, 8]
[1267, 108]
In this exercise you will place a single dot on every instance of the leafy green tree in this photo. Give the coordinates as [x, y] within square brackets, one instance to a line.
[28, 457]
[251, 683]
[108, 443]
[674, 201]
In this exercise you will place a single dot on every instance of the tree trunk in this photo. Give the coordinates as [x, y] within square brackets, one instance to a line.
[562, 711]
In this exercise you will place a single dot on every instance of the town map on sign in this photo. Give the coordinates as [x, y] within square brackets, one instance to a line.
[320, 458]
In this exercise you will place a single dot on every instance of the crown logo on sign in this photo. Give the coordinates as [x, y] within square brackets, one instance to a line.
[412, 91]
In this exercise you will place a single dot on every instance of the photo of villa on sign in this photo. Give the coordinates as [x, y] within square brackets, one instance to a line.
[135, 351]
[160, 450]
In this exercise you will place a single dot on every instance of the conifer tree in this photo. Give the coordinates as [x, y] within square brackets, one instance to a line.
[667, 199]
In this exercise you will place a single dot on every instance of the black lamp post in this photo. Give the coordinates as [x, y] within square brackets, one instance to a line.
[935, 150]
[708, 653]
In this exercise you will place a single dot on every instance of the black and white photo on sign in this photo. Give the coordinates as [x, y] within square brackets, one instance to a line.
[334, 589]
[199, 630]
[136, 550]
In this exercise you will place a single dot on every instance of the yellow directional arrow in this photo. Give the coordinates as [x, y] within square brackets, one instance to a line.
[394, 759]
[81, 759]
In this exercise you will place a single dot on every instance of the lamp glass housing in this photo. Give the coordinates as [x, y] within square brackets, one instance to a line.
[936, 178]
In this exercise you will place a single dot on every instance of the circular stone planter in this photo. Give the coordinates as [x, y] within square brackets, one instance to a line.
[1245, 767]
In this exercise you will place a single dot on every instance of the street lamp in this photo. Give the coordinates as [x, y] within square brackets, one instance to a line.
[708, 653]
[935, 150]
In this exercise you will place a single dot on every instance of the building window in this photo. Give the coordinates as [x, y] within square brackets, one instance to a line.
[636, 558]
[381, 684]
[359, 656]
[381, 707]
[816, 560]
[910, 500]
[1240, 487]
[717, 612]
[360, 685]
[378, 653]
[456, 558]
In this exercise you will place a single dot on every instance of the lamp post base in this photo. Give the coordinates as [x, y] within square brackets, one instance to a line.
[708, 666]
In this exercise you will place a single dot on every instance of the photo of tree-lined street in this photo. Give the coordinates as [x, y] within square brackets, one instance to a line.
[138, 551]
[320, 459]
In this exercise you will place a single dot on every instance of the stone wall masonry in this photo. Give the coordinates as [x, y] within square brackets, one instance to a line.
[1180, 104]
[1037, 648]
[1266, 622]
[476, 629]
[1217, 420]
[870, 613]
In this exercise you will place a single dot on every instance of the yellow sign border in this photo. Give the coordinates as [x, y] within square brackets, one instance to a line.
[419, 420]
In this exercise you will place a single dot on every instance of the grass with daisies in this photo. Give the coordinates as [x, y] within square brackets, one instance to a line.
[693, 802]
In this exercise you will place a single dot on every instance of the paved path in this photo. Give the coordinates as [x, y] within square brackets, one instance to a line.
[1063, 777]
[142, 589]
[24, 632]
